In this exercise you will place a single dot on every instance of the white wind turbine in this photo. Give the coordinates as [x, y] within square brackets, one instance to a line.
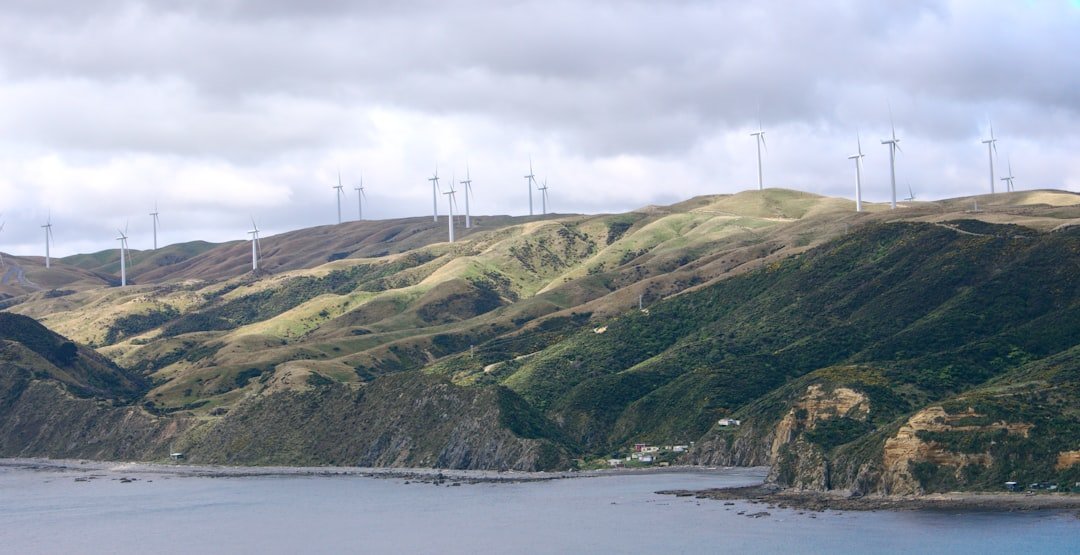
[450, 201]
[991, 150]
[894, 145]
[543, 197]
[435, 194]
[154, 215]
[255, 248]
[468, 192]
[1008, 183]
[911, 194]
[124, 255]
[340, 193]
[48, 237]
[360, 196]
[759, 138]
[530, 181]
[858, 173]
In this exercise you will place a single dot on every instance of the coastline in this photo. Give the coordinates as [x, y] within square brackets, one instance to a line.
[435, 475]
[760, 494]
[839, 501]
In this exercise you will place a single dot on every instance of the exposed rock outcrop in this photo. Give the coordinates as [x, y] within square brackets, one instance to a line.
[907, 448]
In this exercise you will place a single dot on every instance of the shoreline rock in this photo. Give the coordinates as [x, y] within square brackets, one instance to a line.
[823, 501]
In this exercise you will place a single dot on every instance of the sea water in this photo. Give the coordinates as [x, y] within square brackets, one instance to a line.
[68, 511]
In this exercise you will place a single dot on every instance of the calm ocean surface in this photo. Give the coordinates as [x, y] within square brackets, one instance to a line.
[49, 512]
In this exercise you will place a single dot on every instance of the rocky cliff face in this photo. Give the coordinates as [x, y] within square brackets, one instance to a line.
[796, 461]
[790, 444]
[43, 419]
[909, 448]
[404, 420]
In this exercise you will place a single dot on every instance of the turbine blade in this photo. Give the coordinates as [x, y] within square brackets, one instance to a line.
[892, 123]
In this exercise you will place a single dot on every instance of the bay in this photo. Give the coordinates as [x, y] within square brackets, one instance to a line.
[49, 511]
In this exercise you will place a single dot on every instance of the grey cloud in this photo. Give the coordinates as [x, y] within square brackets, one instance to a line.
[272, 88]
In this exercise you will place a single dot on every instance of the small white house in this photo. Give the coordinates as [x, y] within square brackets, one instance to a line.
[650, 449]
[729, 422]
[645, 458]
[680, 448]
[176, 456]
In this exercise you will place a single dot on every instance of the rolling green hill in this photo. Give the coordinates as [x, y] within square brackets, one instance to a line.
[848, 344]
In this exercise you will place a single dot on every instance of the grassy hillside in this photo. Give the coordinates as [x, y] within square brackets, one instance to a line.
[823, 329]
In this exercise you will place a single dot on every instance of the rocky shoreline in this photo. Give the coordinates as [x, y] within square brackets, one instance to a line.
[950, 502]
[438, 476]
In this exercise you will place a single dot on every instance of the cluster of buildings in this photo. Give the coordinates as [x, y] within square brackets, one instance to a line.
[648, 454]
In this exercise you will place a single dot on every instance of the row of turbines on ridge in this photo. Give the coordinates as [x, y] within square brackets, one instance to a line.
[893, 143]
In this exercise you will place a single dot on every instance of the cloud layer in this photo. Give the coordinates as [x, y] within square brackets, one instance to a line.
[219, 111]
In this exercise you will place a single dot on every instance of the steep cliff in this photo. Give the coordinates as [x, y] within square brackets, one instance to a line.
[409, 420]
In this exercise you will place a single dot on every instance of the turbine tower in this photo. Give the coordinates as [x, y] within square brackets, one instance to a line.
[530, 181]
[48, 237]
[154, 215]
[759, 138]
[450, 203]
[435, 194]
[123, 255]
[468, 192]
[360, 196]
[1008, 184]
[340, 193]
[858, 173]
[991, 150]
[894, 145]
[543, 197]
[254, 233]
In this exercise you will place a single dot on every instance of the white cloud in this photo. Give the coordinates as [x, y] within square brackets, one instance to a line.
[222, 110]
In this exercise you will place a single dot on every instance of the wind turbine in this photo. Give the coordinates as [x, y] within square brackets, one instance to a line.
[450, 201]
[911, 194]
[991, 150]
[123, 255]
[254, 233]
[1008, 183]
[858, 173]
[543, 197]
[48, 237]
[530, 180]
[340, 193]
[759, 138]
[154, 215]
[435, 194]
[360, 196]
[468, 192]
[894, 145]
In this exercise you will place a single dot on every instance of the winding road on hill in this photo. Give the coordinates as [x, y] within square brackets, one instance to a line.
[15, 272]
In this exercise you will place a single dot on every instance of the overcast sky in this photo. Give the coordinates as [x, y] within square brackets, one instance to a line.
[221, 110]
